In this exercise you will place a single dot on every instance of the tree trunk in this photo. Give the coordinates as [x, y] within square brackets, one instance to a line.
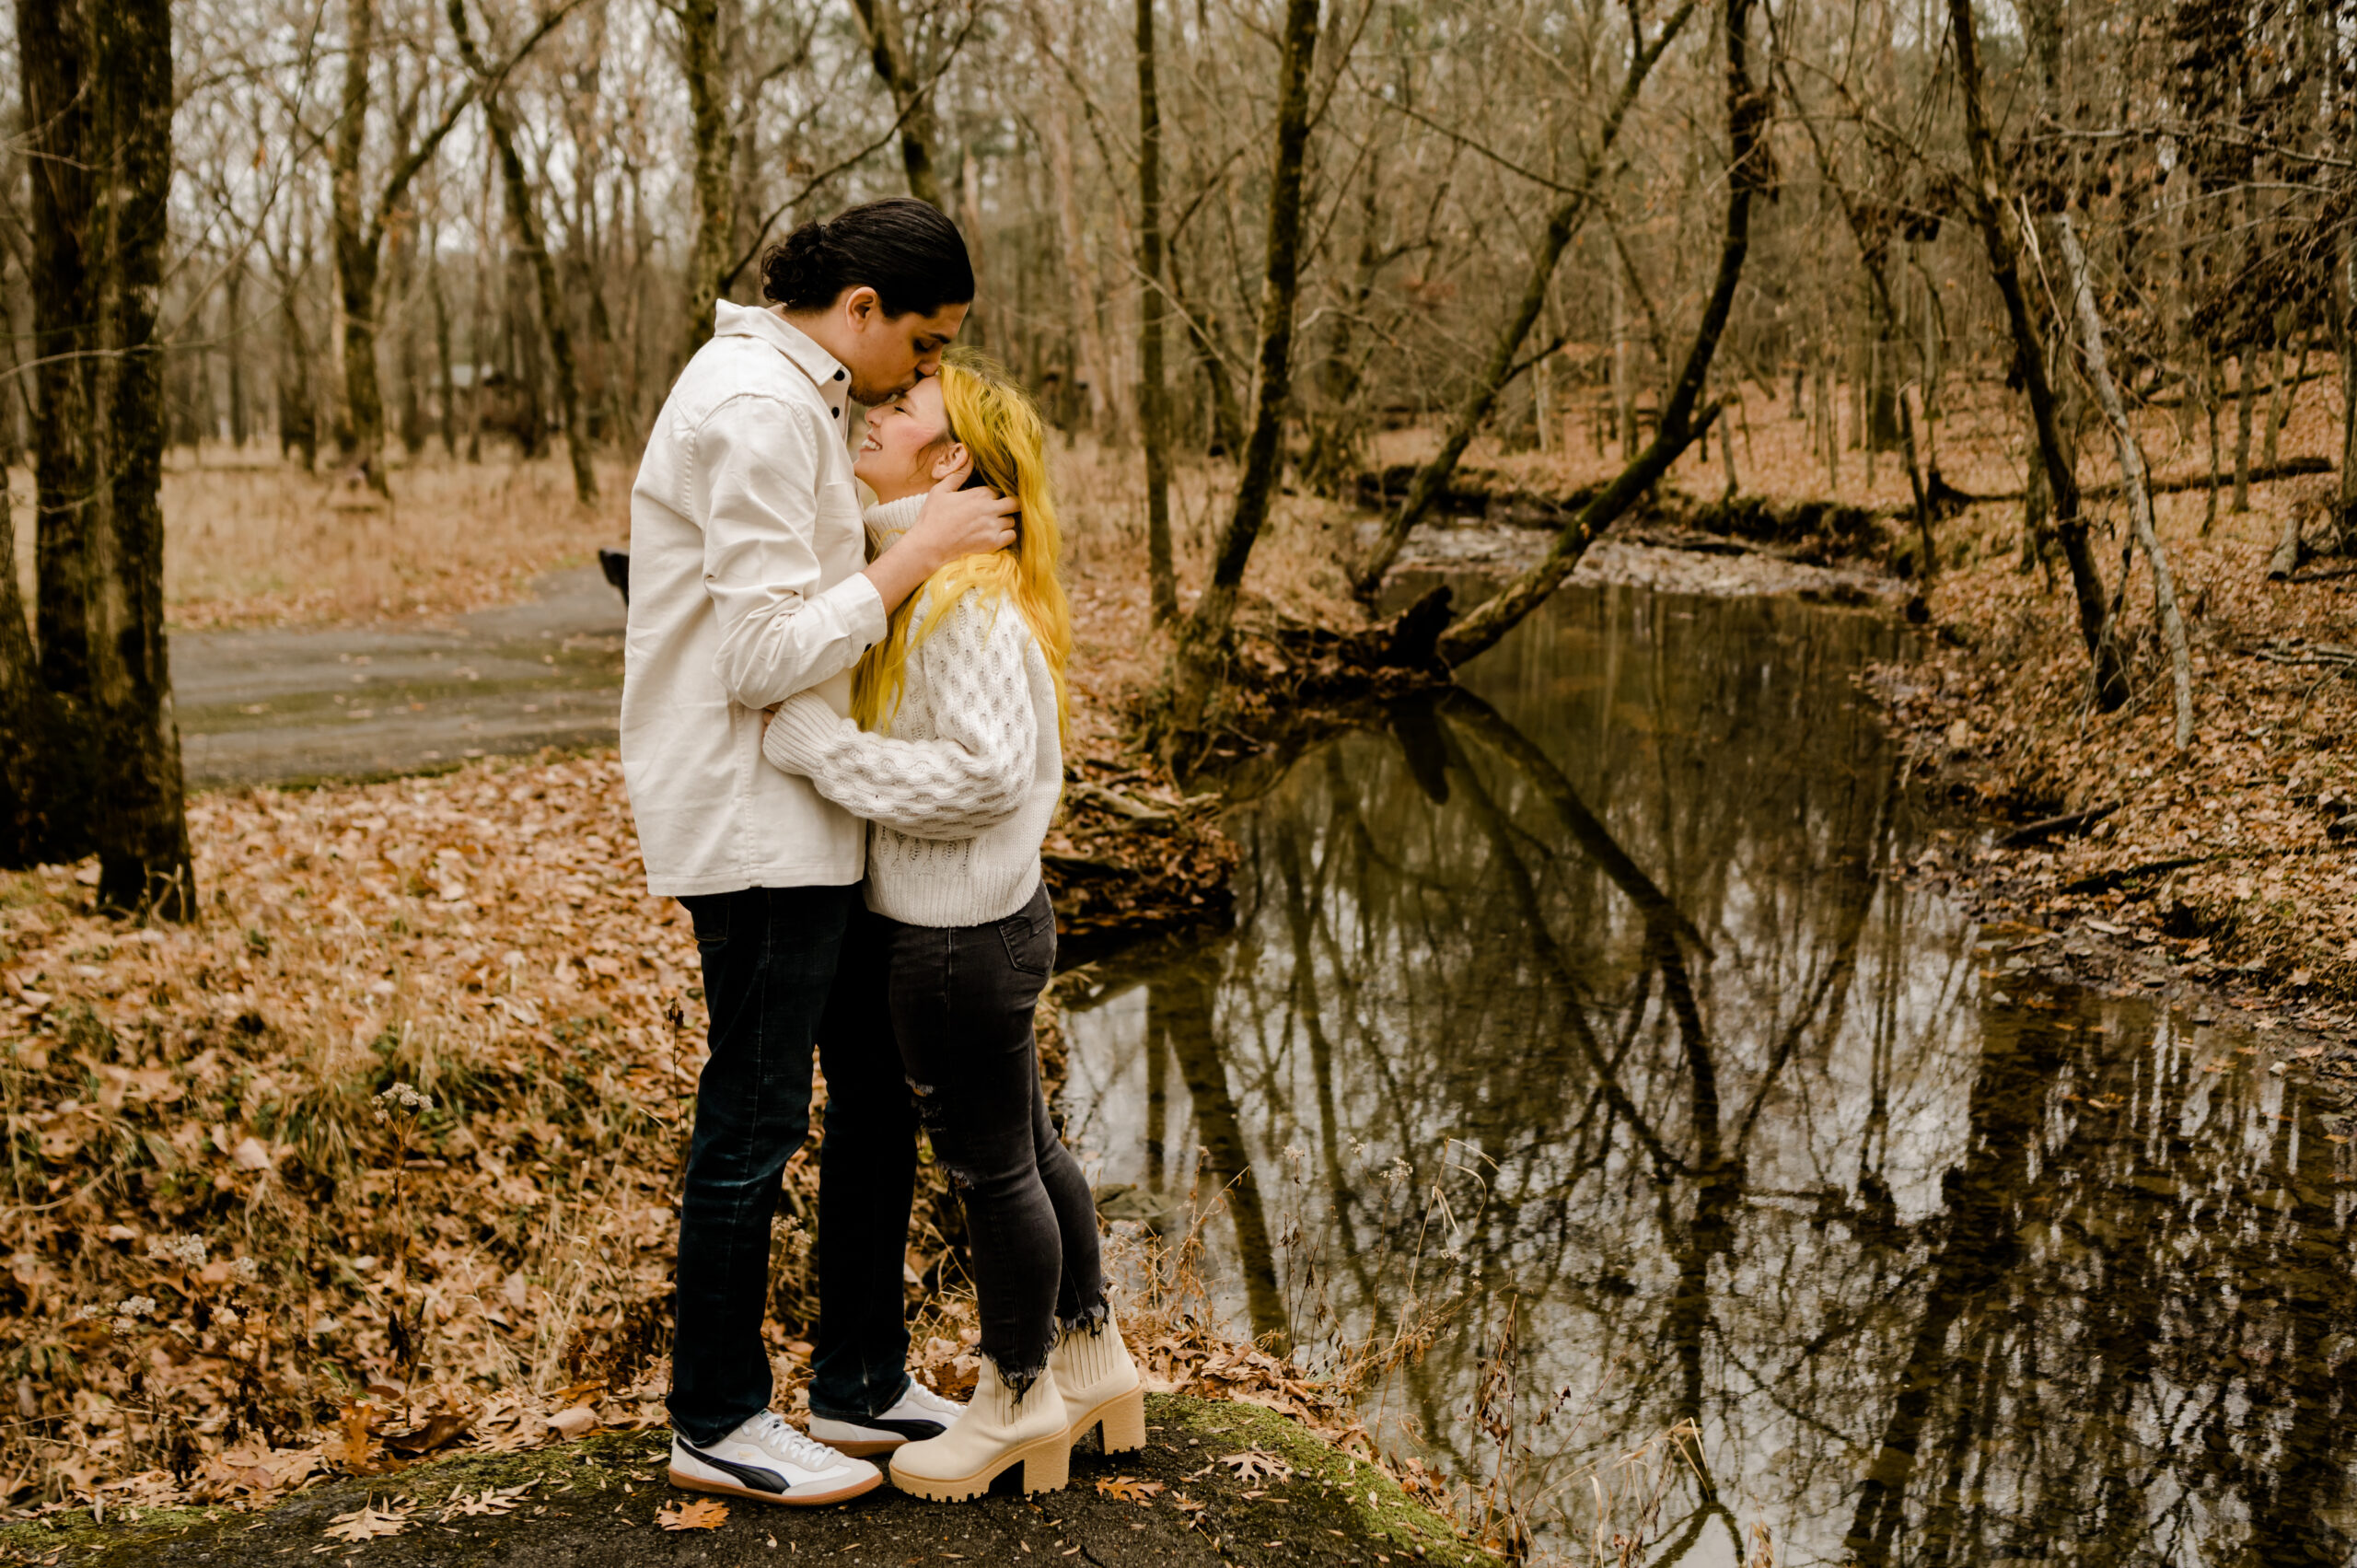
[1993, 214]
[232, 345]
[525, 218]
[449, 391]
[1202, 645]
[714, 146]
[2242, 398]
[1203, 332]
[1432, 480]
[143, 859]
[1088, 340]
[41, 817]
[2131, 468]
[412, 377]
[1153, 431]
[64, 131]
[1746, 111]
[98, 81]
[361, 436]
[888, 51]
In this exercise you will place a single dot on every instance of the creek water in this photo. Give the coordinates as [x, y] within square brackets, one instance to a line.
[1591, 1005]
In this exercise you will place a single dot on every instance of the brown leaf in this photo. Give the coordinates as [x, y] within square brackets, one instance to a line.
[704, 1513]
[579, 1422]
[1256, 1465]
[1129, 1489]
[444, 1428]
[492, 1501]
[368, 1523]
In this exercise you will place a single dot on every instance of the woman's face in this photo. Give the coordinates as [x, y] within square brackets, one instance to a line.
[907, 449]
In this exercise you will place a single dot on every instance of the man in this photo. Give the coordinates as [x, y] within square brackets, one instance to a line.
[750, 583]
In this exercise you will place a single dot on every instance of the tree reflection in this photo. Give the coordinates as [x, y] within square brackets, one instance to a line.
[1603, 957]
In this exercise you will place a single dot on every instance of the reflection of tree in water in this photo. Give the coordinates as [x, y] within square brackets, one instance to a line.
[1753, 1154]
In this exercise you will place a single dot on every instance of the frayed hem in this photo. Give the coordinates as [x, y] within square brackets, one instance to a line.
[1091, 1321]
[1019, 1380]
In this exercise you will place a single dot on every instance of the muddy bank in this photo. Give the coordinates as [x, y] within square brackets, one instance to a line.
[2227, 870]
[1217, 1482]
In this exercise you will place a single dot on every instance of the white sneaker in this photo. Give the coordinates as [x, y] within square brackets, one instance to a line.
[770, 1462]
[916, 1415]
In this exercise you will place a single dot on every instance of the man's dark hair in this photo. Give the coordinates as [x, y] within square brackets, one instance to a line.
[903, 249]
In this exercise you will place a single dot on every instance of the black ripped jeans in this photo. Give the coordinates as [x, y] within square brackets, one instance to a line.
[959, 1000]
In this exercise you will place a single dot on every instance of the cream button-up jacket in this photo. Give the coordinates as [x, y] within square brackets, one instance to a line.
[745, 550]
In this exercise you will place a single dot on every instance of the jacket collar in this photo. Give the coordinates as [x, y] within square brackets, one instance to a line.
[826, 372]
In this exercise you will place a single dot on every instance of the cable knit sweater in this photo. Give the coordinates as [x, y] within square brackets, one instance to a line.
[958, 788]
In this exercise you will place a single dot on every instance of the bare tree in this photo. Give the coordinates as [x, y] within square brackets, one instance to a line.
[895, 67]
[523, 213]
[1681, 424]
[1993, 212]
[361, 220]
[2131, 470]
[1503, 362]
[1154, 434]
[714, 147]
[1202, 644]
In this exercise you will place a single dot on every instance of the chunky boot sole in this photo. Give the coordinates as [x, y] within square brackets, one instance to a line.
[1121, 1420]
[860, 1487]
[1046, 1461]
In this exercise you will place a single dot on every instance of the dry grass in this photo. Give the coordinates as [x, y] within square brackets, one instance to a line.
[252, 542]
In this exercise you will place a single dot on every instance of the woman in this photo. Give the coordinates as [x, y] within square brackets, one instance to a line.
[956, 761]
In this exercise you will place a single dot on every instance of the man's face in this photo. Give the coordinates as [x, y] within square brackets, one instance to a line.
[889, 353]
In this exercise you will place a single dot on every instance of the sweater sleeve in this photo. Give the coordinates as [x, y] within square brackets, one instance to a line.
[972, 777]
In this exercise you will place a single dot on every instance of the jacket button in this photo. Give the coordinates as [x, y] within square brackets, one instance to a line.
[836, 411]
[839, 375]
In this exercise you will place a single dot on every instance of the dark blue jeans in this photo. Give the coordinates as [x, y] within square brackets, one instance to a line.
[775, 959]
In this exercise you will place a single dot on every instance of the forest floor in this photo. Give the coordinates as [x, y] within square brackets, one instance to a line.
[1217, 1482]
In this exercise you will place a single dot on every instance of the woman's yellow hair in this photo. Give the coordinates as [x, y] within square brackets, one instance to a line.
[991, 412]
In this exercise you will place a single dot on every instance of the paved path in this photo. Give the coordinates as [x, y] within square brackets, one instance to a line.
[271, 706]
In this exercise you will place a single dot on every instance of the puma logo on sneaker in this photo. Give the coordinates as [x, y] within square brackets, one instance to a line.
[918, 1415]
[770, 1462]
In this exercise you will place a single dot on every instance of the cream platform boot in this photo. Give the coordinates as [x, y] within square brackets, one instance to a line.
[998, 1430]
[1100, 1383]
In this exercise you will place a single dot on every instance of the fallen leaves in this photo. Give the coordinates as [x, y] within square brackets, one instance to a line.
[441, 1430]
[368, 1522]
[1129, 1489]
[1256, 1465]
[704, 1513]
[492, 1501]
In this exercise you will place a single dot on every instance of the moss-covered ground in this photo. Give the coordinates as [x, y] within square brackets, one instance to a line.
[593, 1504]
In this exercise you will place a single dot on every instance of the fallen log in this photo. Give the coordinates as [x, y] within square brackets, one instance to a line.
[2047, 828]
[2107, 881]
[2286, 559]
[2289, 468]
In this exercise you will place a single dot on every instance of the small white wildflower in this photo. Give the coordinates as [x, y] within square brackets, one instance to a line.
[1397, 1170]
[87, 1311]
[400, 1097]
[137, 1307]
[245, 1270]
[188, 1251]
